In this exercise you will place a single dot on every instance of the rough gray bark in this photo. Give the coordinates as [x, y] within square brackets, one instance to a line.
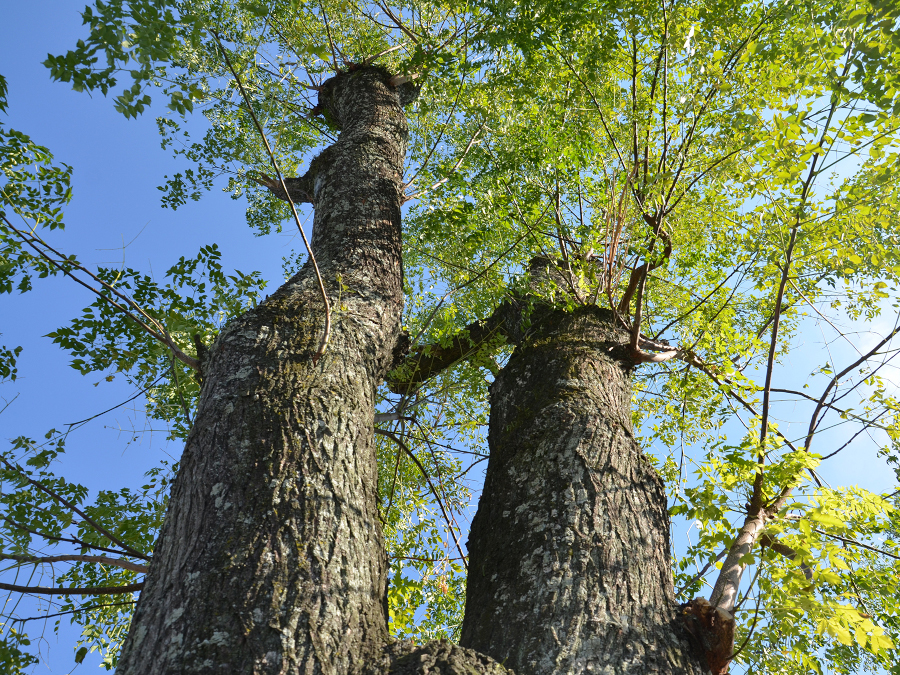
[271, 558]
[435, 658]
[569, 568]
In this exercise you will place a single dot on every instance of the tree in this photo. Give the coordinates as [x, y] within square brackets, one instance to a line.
[599, 177]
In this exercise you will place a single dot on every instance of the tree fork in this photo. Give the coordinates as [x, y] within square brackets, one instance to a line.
[271, 558]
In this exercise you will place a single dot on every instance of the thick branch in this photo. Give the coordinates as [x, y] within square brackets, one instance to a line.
[639, 274]
[297, 190]
[785, 550]
[725, 591]
[428, 360]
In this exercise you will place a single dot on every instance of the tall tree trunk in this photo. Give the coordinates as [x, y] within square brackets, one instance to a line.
[569, 568]
[271, 557]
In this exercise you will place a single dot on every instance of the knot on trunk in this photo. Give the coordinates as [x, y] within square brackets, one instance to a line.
[712, 629]
[202, 356]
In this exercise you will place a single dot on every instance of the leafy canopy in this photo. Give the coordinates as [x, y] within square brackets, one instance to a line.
[723, 175]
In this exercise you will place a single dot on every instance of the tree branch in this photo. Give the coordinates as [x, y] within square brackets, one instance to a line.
[325, 334]
[853, 542]
[437, 498]
[74, 611]
[429, 360]
[443, 180]
[785, 550]
[100, 590]
[75, 509]
[703, 571]
[102, 559]
[49, 537]
[160, 336]
[821, 402]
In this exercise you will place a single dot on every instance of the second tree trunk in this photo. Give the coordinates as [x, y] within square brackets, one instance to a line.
[569, 567]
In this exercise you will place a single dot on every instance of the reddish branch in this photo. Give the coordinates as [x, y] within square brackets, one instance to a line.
[785, 550]
[713, 628]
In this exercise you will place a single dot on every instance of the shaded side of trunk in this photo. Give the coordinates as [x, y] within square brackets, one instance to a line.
[271, 557]
[569, 568]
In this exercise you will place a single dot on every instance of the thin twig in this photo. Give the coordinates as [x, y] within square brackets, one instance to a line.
[324, 343]
[75, 611]
[328, 33]
[184, 358]
[100, 590]
[440, 135]
[371, 59]
[700, 574]
[184, 406]
[853, 542]
[606, 128]
[865, 428]
[70, 540]
[459, 162]
[752, 628]
[821, 403]
[397, 22]
[413, 557]
[75, 509]
[437, 498]
[393, 485]
[88, 419]
[101, 559]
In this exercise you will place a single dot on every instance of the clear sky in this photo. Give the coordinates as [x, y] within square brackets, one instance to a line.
[116, 218]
